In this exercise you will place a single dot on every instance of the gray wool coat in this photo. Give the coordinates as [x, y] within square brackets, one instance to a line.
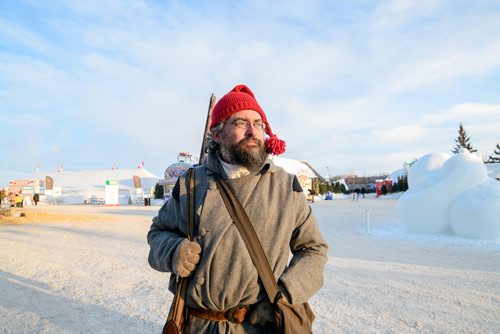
[225, 276]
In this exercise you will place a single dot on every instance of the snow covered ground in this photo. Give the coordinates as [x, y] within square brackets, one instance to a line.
[87, 272]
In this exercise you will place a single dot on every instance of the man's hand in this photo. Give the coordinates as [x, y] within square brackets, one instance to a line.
[186, 257]
[262, 314]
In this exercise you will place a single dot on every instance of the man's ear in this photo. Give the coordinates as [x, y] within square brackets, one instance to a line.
[216, 137]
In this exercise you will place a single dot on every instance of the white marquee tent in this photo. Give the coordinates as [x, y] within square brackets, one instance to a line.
[302, 170]
[89, 186]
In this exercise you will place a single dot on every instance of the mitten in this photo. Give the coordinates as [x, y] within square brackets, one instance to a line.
[262, 314]
[186, 257]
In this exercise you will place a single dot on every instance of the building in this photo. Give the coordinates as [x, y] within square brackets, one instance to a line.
[26, 187]
[357, 182]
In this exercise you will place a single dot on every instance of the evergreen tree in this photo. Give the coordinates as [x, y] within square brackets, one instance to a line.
[395, 187]
[322, 188]
[462, 141]
[495, 158]
[402, 183]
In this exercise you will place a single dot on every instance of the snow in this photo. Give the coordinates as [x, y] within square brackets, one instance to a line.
[395, 175]
[83, 269]
[426, 168]
[451, 194]
[476, 212]
[493, 170]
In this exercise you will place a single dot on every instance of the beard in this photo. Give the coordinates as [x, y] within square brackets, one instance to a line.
[239, 154]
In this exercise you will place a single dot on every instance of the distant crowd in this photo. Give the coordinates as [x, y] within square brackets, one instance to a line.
[357, 192]
[18, 200]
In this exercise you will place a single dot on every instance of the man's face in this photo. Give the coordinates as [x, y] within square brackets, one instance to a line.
[242, 141]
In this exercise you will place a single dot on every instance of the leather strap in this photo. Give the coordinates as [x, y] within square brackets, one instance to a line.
[178, 309]
[190, 221]
[236, 314]
[249, 236]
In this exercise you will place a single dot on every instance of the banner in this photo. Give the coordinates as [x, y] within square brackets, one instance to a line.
[49, 183]
[111, 193]
[137, 182]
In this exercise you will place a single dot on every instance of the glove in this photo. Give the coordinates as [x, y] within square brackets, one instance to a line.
[262, 314]
[186, 257]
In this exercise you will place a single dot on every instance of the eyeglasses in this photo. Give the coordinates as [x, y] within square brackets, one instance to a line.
[241, 124]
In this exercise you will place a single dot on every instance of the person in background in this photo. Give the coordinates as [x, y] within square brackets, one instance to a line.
[12, 199]
[222, 277]
[36, 198]
[18, 199]
[384, 189]
[312, 193]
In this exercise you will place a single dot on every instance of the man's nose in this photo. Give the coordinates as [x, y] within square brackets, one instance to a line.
[251, 130]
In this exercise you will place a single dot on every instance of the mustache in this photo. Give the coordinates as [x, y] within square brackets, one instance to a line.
[250, 139]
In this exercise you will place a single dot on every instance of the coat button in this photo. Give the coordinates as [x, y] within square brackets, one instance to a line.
[212, 185]
[203, 232]
[200, 280]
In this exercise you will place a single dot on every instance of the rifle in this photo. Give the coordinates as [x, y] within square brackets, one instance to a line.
[177, 314]
[204, 142]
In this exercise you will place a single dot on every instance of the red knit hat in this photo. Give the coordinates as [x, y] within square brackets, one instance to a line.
[242, 98]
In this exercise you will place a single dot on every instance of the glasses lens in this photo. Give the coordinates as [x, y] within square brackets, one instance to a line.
[246, 125]
[241, 124]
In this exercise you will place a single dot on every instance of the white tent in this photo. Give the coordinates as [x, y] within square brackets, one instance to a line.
[294, 166]
[89, 186]
[305, 174]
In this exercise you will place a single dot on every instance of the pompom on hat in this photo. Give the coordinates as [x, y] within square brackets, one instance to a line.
[242, 98]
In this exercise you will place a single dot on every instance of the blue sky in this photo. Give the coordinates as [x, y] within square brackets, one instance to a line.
[351, 86]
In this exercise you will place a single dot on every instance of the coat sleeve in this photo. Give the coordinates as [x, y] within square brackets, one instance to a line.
[166, 233]
[304, 275]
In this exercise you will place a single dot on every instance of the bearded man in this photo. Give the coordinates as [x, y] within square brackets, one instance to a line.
[222, 276]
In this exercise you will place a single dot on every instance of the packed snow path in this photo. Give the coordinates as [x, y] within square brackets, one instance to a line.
[91, 275]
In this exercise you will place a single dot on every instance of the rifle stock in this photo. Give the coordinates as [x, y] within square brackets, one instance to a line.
[204, 142]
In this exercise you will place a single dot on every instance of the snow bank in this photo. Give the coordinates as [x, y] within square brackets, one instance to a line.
[84, 269]
[476, 212]
[395, 175]
[451, 194]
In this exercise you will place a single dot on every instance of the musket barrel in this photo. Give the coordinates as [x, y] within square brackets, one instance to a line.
[204, 142]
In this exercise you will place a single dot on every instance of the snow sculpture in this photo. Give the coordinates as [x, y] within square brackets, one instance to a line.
[172, 173]
[475, 213]
[426, 170]
[422, 207]
[448, 194]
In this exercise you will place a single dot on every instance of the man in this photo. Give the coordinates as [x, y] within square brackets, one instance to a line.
[223, 279]
[36, 198]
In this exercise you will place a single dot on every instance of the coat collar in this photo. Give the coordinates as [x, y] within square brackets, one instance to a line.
[213, 164]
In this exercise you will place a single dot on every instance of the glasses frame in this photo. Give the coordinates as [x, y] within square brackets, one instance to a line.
[245, 125]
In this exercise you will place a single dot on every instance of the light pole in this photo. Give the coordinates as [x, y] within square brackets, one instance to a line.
[328, 175]
[57, 149]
